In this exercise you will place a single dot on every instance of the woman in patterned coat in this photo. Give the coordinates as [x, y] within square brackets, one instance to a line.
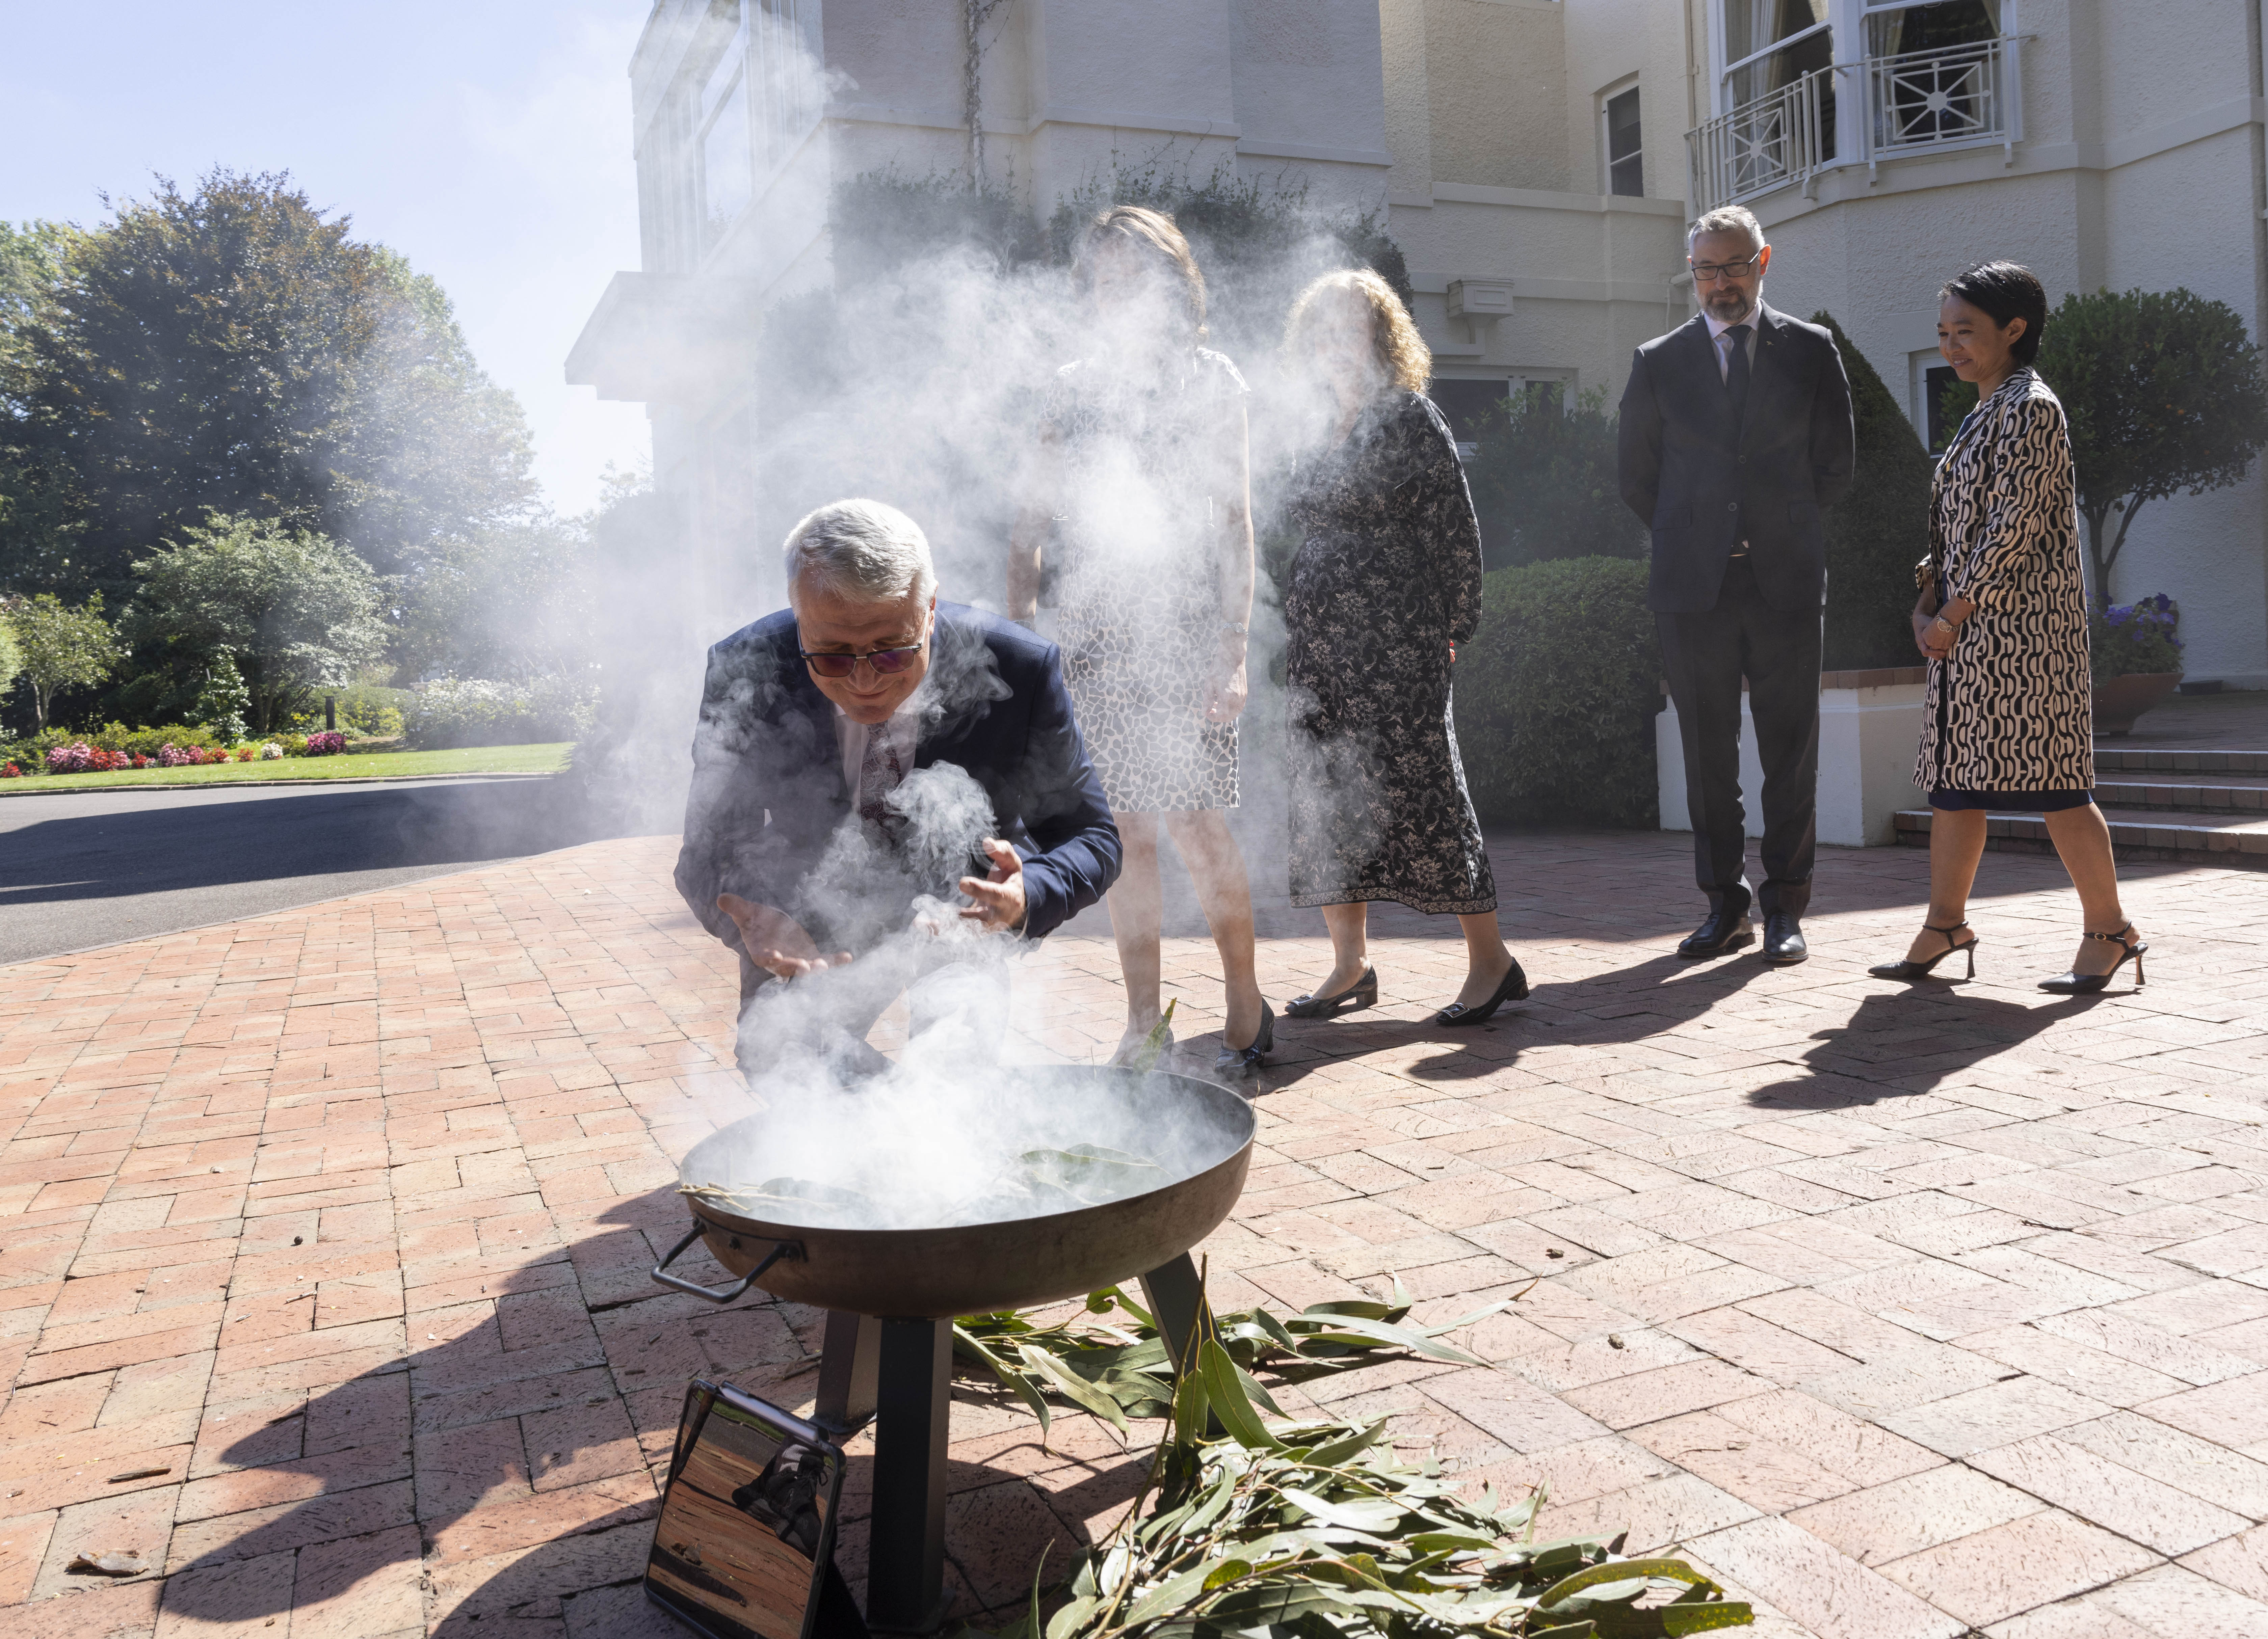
[2007, 721]
[1142, 499]
[1386, 582]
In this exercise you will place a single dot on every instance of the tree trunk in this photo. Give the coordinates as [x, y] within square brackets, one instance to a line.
[40, 693]
[2097, 575]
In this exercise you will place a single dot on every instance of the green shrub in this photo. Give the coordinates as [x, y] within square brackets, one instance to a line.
[1876, 534]
[475, 711]
[1556, 696]
[1543, 481]
[364, 712]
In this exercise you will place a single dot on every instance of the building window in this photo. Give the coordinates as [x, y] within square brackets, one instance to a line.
[1625, 154]
[1942, 419]
[1771, 44]
[728, 176]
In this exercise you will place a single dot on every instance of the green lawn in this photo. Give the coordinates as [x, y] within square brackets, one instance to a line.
[354, 765]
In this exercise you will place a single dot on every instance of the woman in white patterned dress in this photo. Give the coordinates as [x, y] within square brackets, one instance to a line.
[2007, 721]
[1145, 482]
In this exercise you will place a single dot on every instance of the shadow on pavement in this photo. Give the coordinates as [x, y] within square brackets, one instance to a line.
[503, 1475]
[1900, 1045]
[281, 834]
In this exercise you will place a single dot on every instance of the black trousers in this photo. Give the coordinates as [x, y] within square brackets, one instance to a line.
[1705, 655]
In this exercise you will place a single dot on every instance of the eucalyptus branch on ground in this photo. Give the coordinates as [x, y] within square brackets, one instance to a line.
[1122, 1371]
[1301, 1529]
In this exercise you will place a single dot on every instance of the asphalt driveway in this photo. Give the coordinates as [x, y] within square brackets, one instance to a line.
[82, 869]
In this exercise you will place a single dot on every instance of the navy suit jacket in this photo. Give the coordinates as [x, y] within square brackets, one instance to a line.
[1703, 480]
[770, 815]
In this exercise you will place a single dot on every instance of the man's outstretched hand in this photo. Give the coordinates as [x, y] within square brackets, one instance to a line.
[999, 906]
[775, 941]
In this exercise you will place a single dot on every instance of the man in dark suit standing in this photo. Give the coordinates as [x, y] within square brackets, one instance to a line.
[861, 749]
[1737, 433]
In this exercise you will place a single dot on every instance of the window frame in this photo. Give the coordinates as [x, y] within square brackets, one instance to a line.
[1627, 86]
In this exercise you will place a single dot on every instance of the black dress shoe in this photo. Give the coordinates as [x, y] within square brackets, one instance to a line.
[1783, 945]
[1243, 1064]
[1726, 929]
[1513, 987]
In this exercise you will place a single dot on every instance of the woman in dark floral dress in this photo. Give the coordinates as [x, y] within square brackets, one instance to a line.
[1386, 583]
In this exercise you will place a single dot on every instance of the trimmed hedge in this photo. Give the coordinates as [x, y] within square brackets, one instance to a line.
[1877, 532]
[1556, 696]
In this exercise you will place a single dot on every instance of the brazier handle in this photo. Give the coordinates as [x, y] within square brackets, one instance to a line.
[790, 1249]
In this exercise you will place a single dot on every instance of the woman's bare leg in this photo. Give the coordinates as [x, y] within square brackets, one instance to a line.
[2082, 840]
[1136, 917]
[1956, 844]
[1217, 867]
[1348, 926]
[1487, 959]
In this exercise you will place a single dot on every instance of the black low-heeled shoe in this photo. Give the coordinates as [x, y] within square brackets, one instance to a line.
[2077, 983]
[1243, 1064]
[1457, 1015]
[1361, 994]
[1912, 969]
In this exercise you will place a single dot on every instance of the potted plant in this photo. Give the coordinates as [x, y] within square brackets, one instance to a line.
[2135, 660]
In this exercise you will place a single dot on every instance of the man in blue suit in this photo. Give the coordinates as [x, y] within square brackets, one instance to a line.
[868, 748]
[1737, 433]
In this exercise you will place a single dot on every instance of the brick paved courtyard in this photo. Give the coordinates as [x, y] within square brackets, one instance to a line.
[1907, 1311]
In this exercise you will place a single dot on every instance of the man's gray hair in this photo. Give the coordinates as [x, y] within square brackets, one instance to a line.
[862, 550]
[1726, 219]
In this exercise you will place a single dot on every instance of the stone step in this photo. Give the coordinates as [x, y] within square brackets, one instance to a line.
[2205, 793]
[2233, 839]
[2125, 759]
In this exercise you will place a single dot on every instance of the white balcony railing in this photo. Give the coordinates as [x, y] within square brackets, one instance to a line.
[1780, 138]
[1956, 97]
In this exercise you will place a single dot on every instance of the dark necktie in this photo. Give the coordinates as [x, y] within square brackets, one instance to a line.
[878, 775]
[1736, 368]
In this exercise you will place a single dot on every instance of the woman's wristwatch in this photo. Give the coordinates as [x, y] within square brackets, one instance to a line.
[1940, 620]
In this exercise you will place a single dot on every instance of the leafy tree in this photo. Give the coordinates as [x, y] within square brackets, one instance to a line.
[297, 611]
[224, 701]
[38, 520]
[12, 656]
[1877, 532]
[233, 351]
[520, 600]
[1543, 481]
[60, 647]
[2164, 395]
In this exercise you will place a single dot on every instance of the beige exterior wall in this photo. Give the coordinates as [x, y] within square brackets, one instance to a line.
[1477, 123]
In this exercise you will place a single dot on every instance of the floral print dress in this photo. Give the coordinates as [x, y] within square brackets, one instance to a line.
[1387, 575]
[2009, 712]
[1136, 574]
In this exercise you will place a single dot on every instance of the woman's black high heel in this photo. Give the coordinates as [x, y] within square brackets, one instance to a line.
[1243, 1064]
[2077, 983]
[1457, 1015]
[1361, 994]
[1912, 969]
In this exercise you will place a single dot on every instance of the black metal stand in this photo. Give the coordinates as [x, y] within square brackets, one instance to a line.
[847, 1364]
[899, 1372]
[905, 1558]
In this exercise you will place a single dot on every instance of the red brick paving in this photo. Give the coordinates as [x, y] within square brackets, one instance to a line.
[1908, 1311]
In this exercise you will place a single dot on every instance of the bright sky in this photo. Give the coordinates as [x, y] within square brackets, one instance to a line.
[489, 141]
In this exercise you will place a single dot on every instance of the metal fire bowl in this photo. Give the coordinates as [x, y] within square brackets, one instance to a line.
[975, 1269]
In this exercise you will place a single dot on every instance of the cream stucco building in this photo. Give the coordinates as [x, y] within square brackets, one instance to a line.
[1536, 161]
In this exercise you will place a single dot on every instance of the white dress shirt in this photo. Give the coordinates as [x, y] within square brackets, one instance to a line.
[903, 729]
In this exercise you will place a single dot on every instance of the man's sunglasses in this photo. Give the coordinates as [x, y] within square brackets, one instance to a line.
[886, 662]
